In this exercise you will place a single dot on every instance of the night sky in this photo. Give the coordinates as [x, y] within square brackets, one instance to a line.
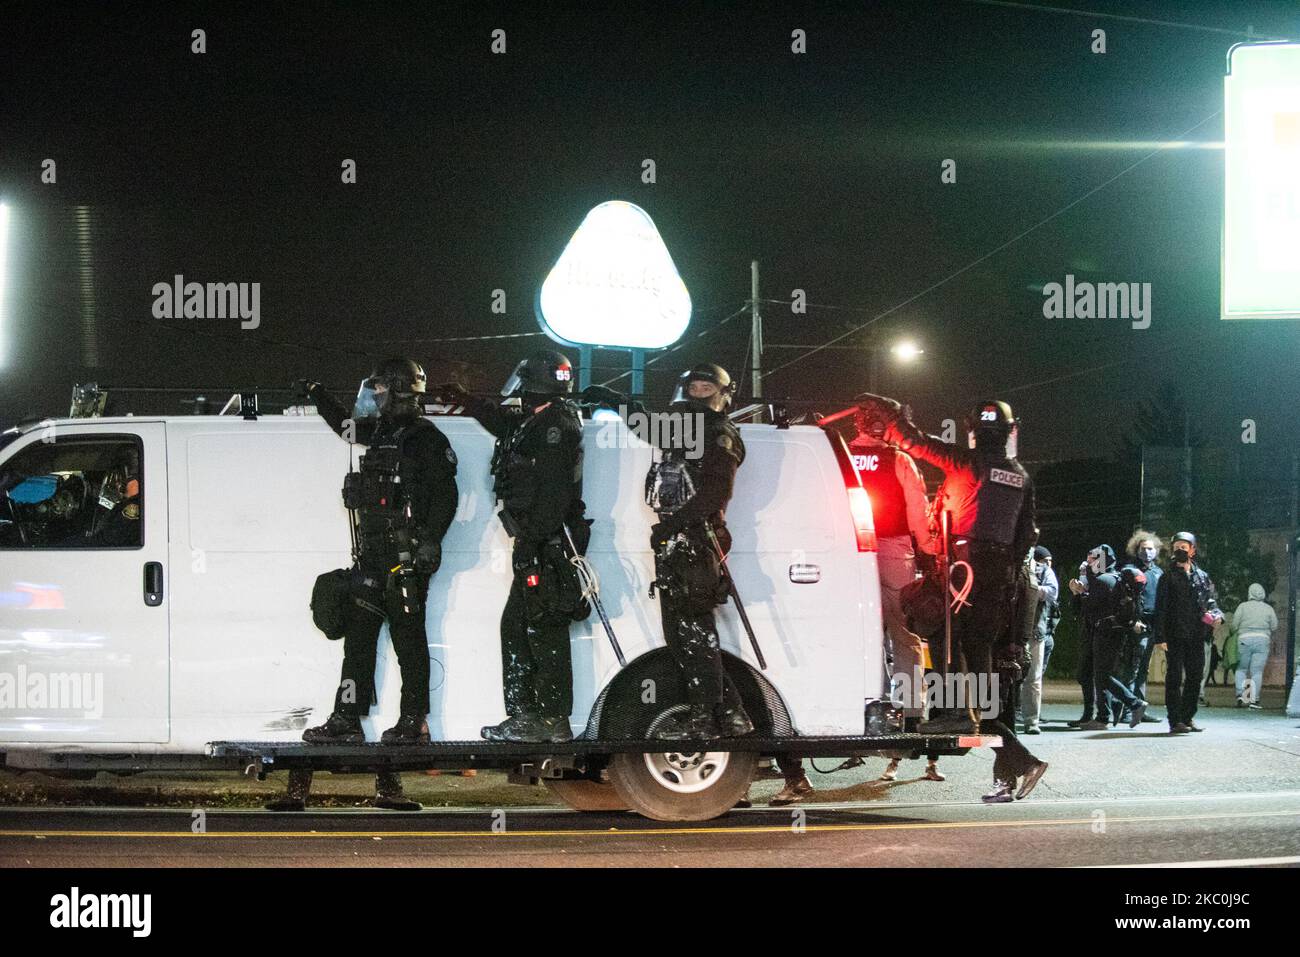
[474, 169]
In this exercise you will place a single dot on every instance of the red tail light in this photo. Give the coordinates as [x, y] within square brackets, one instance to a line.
[860, 506]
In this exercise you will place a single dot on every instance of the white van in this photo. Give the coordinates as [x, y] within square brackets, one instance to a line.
[190, 644]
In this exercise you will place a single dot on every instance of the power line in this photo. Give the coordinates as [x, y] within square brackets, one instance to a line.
[668, 352]
[991, 253]
[1119, 16]
[504, 335]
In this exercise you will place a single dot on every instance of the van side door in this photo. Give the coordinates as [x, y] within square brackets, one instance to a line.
[84, 637]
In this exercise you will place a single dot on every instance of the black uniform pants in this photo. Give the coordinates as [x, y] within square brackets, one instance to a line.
[536, 663]
[405, 616]
[977, 630]
[692, 639]
[1113, 694]
[1084, 673]
[1144, 663]
[1185, 658]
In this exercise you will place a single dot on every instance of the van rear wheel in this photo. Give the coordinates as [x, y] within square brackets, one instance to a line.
[681, 785]
[583, 795]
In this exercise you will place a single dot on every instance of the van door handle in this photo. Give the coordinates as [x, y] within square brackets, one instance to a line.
[153, 583]
[805, 574]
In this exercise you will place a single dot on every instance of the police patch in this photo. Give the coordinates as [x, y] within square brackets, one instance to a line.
[451, 455]
[553, 435]
[1004, 477]
[724, 442]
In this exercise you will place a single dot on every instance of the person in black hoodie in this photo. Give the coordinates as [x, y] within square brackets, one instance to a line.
[1107, 615]
[1186, 610]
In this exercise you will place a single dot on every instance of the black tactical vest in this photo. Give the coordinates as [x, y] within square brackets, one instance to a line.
[385, 526]
[514, 461]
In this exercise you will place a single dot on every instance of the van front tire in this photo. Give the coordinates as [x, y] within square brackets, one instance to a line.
[682, 786]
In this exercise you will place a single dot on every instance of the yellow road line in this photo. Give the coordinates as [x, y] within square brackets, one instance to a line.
[651, 832]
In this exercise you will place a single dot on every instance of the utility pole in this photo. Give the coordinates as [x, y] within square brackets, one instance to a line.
[755, 332]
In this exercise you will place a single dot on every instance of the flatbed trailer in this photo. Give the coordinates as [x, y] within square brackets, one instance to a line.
[555, 759]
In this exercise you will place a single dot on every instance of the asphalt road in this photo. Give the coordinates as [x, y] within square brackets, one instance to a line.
[1230, 796]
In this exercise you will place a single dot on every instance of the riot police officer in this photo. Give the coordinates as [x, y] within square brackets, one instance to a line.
[402, 500]
[991, 498]
[690, 493]
[537, 471]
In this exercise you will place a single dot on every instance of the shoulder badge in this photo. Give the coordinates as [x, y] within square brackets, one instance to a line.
[553, 435]
[724, 442]
[451, 456]
[1007, 477]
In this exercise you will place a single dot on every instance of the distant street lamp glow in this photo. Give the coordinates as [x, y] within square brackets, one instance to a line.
[907, 351]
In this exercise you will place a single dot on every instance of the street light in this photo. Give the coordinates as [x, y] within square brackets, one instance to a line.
[906, 351]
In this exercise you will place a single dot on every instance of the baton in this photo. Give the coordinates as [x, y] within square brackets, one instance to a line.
[735, 596]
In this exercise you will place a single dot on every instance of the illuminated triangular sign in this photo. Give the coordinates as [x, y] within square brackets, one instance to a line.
[615, 284]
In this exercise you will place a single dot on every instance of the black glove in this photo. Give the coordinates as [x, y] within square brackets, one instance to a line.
[525, 557]
[600, 395]
[580, 531]
[303, 388]
[428, 557]
[927, 563]
[660, 532]
[452, 392]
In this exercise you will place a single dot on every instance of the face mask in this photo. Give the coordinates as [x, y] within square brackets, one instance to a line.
[1182, 556]
[1149, 555]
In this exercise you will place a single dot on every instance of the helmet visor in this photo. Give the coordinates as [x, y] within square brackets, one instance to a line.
[701, 391]
[515, 383]
[372, 396]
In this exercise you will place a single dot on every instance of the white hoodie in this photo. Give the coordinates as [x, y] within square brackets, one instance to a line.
[1254, 616]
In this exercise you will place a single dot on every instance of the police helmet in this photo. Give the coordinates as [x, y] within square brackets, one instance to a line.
[543, 373]
[720, 401]
[392, 388]
[992, 424]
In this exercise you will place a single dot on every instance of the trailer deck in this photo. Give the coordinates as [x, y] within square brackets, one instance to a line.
[261, 757]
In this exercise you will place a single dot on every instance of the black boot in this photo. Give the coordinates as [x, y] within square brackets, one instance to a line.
[519, 727]
[697, 724]
[554, 728]
[732, 721]
[389, 794]
[295, 793]
[337, 729]
[410, 729]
